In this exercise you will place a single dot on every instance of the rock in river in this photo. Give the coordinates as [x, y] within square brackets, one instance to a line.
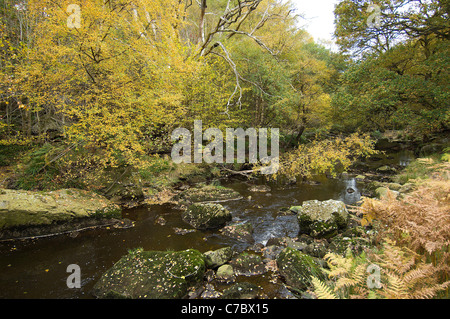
[152, 275]
[297, 269]
[321, 219]
[206, 216]
[27, 213]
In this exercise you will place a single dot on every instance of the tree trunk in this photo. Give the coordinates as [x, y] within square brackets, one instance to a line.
[201, 35]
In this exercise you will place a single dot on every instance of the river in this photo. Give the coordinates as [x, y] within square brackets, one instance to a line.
[37, 268]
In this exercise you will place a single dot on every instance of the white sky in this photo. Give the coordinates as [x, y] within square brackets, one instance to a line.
[319, 17]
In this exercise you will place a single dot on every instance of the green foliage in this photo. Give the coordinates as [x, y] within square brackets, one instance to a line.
[36, 173]
[400, 79]
[421, 169]
[9, 154]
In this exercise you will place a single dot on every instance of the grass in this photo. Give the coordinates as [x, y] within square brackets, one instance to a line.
[424, 168]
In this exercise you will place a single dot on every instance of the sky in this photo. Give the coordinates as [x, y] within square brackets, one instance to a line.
[319, 17]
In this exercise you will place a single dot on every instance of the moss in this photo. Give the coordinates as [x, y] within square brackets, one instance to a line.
[321, 219]
[111, 211]
[152, 274]
[297, 268]
[341, 243]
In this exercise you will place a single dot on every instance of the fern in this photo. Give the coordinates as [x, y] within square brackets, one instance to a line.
[321, 290]
[406, 275]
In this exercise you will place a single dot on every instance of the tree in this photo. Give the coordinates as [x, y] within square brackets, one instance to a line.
[401, 78]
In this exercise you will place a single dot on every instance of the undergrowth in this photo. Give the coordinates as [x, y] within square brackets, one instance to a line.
[412, 250]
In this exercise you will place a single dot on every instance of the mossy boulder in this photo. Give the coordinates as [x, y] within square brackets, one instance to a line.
[321, 219]
[206, 216]
[218, 257]
[241, 231]
[206, 193]
[152, 275]
[381, 192]
[297, 268]
[20, 209]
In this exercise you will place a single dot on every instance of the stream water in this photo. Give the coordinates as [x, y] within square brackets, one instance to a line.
[37, 268]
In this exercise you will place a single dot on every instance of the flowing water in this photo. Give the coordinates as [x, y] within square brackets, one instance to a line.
[37, 268]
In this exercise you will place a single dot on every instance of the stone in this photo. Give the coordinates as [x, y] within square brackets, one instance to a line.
[296, 244]
[297, 268]
[205, 194]
[216, 258]
[248, 264]
[271, 252]
[341, 243]
[206, 216]
[26, 209]
[259, 188]
[210, 292]
[152, 275]
[430, 149]
[225, 273]
[318, 248]
[241, 231]
[321, 219]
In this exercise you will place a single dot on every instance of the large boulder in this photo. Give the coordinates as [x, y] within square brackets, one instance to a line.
[297, 268]
[206, 216]
[22, 210]
[321, 219]
[152, 275]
